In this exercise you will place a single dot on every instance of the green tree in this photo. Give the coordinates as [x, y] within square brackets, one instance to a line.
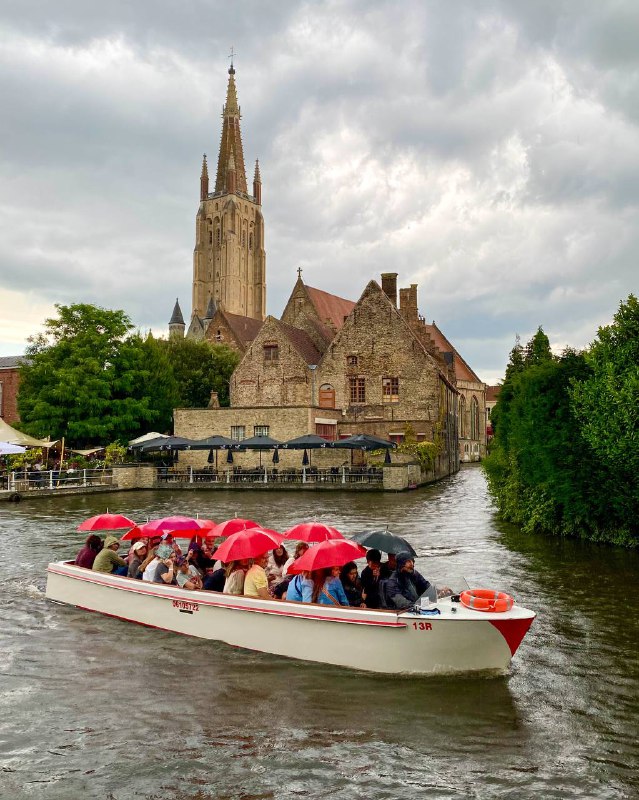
[538, 349]
[199, 368]
[88, 379]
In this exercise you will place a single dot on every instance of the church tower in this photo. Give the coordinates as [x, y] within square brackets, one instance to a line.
[229, 261]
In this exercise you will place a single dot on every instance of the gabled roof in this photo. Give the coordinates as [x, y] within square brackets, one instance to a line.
[462, 371]
[329, 306]
[302, 342]
[245, 329]
[11, 362]
[492, 393]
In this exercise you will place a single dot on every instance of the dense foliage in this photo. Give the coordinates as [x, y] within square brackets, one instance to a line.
[91, 379]
[564, 458]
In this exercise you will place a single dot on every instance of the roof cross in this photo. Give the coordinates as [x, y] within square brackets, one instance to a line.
[299, 272]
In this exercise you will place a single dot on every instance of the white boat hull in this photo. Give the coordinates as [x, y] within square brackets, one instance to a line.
[457, 640]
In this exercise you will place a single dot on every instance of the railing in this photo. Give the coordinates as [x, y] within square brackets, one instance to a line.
[24, 481]
[237, 475]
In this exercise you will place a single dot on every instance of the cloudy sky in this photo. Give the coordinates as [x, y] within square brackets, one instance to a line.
[488, 151]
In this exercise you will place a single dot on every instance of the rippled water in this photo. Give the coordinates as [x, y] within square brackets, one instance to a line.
[97, 708]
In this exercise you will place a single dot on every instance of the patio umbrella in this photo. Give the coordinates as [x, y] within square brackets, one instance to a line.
[213, 443]
[106, 522]
[230, 526]
[229, 457]
[332, 553]
[148, 445]
[305, 459]
[168, 443]
[6, 448]
[259, 443]
[212, 456]
[312, 532]
[307, 442]
[276, 456]
[387, 458]
[384, 540]
[363, 441]
[247, 544]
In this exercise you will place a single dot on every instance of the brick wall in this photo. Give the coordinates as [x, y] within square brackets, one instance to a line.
[9, 383]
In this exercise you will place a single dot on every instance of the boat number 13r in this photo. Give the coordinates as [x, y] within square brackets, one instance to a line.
[422, 626]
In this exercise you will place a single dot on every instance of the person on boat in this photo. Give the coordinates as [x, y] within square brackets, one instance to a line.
[138, 555]
[373, 572]
[326, 588]
[168, 538]
[391, 563]
[86, 555]
[405, 586]
[277, 559]
[352, 585]
[300, 586]
[256, 580]
[214, 580]
[108, 560]
[187, 576]
[235, 573]
[165, 570]
[300, 549]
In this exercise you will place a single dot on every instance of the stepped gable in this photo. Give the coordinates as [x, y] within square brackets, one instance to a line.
[245, 329]
[302, 342]
[463, 372]
[330, 308]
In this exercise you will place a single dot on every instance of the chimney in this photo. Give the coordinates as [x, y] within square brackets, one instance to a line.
[408, 303]
[389, 286]
[214, 402]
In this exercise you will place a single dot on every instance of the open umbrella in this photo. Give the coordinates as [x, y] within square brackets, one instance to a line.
[182, 526]
[312, 532]
[6, 448]
[309, 441]
[248, 544]
[385, 541]
[363, 441]
[106, 522]
[230, 526]
[135, 533]
[260, 443]
[213, 443]
[331, 553]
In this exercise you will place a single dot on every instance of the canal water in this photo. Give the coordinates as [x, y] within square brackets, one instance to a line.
[94, 707]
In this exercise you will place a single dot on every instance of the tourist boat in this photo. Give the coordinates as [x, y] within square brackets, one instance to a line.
[455, 640]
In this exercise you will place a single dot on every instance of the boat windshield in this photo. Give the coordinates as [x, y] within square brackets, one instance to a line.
[444, 587]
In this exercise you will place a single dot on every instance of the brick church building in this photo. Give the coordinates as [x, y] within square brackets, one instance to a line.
[330, 366]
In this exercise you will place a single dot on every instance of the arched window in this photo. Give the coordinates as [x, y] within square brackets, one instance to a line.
[326, 396]
[474, 418]
[462, 417]
[218, 237]
[250, 241]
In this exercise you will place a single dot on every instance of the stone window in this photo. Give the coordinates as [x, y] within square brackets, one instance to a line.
[210, 237]
[271, 354]
[243, 238]
[390, 390]
[250, 241]
[398, 438]
[218, 335]
[238, 433]
[474, 418]
[357, 390]
[462, 417]
[260, 430]
[351, 361]
[328, 432]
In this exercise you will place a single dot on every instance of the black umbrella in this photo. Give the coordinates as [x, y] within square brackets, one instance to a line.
[149, 444]
[276, 456]
[229, 457]
[213, 443]
[260, 443]
[387, 458]
[212, 457]
[363, 441]
[170, 443]
[384, 540]
[305, 459]
[307, 442]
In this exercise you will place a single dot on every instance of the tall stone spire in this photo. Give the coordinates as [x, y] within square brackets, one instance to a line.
[204, 180]
[257, 184]
[231, 143]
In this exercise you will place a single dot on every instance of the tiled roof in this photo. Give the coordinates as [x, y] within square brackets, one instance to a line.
[11, 362]
[303, 343]
[245, 329]
[462, 371]
[330, 306]
[492, 393]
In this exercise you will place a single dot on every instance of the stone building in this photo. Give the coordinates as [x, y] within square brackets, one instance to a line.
[9, 383]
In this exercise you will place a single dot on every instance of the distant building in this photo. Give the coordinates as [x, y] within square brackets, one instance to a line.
[492, 393]
[9, 383]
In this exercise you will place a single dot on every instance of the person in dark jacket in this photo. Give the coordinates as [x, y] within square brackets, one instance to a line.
[352, 585]
[371, 576]
[86, 556]
[405, 586]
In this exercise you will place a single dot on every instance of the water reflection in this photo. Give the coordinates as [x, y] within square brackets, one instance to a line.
[99, 708]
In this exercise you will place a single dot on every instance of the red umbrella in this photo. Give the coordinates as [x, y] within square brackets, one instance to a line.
[205, 523]
[106, 522]
[230, 526]
[135, 533]
[330, 553]
[312, 532]
[248, 544]
[177, 523]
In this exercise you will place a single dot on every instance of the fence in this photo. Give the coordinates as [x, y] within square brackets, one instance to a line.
[55, 479]
[238, 475]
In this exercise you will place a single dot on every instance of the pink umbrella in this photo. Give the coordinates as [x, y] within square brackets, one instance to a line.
[330, 553]
[312, 532]
[247, 544]
[230, 526]
[135, 533]
[176, 523]
[106, 522]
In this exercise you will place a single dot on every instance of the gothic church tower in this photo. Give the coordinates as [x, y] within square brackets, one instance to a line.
[229, 261]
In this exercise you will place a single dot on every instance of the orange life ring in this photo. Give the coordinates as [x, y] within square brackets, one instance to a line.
[486, 600]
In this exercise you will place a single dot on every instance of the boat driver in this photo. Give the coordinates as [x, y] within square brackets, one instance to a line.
[405, 585]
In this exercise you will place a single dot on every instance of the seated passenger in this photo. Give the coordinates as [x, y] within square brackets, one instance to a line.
[391, 564]
[275, 566]
[256, 580]
[327, 588]
[108, 560]
[300, 549]
[405, 585]
[371, 576]
[165, 570]
[214, 580]
[298, 586]
[86, 555]
[187, 575]
[235, 573]
[168, 538]
[352, 585]
[138, 554]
